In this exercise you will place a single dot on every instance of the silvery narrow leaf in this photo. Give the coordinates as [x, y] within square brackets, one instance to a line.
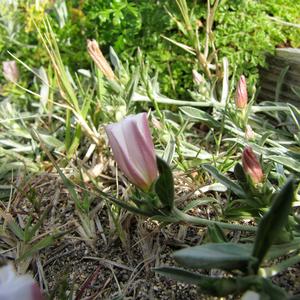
[84, 72]
[44, 91]
[114, 59]
[225, 86]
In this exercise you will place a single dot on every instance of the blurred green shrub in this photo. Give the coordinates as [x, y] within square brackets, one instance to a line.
[243, 30]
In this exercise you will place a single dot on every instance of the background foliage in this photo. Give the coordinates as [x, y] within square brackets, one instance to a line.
[244, 32]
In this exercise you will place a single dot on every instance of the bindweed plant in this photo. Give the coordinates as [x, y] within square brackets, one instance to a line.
[247, 266]
[133, 149]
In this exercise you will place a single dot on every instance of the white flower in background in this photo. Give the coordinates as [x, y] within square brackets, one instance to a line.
[10, 70]
[14, 287]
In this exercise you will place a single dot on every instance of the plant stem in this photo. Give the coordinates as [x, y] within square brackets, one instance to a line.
[181, 216]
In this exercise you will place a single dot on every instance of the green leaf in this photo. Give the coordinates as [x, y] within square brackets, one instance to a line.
[164, 186]
[283, 249]
[216, 234]
[227, 256]
[169, 151]
[131, 86]
[43, 243]
[265, 137]
[280, 82]
[199, 202]
[179, 274]
[221, 287]
[114, 59]
[235, 188]
[208, 285]
[32, 230]
[272, 222]
[121, 203]
[239, 173]
[125, 205]
[289, 162]
[225, 85]
[200, 115]
[269, 290]
[15, 228]
[52, 141]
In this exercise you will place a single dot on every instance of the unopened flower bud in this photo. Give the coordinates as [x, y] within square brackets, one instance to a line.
[10, 70]
[99, 59]
[241, 95]
[133, 149]
[249, 133]
[252, 166]
[197, 77]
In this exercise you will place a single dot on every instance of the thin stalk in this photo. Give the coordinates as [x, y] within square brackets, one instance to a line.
[153, 100]
[219, 141]
[165, 100]
[181, 216]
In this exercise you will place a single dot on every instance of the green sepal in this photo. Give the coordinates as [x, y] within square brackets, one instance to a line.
[239, 173]
[164, 185]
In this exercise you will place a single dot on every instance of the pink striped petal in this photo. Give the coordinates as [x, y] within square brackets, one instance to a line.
[133, 149]
[252, 166]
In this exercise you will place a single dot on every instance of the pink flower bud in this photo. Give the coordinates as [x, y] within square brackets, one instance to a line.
[249, 133]
[13, 287]
[98, 58]
[10, 71]
[251, 166]
[133, 149]
[241, 95]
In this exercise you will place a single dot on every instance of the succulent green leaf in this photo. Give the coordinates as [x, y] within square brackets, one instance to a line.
[273, 221]
[179, 274]
[221, 287]
[226, 256]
